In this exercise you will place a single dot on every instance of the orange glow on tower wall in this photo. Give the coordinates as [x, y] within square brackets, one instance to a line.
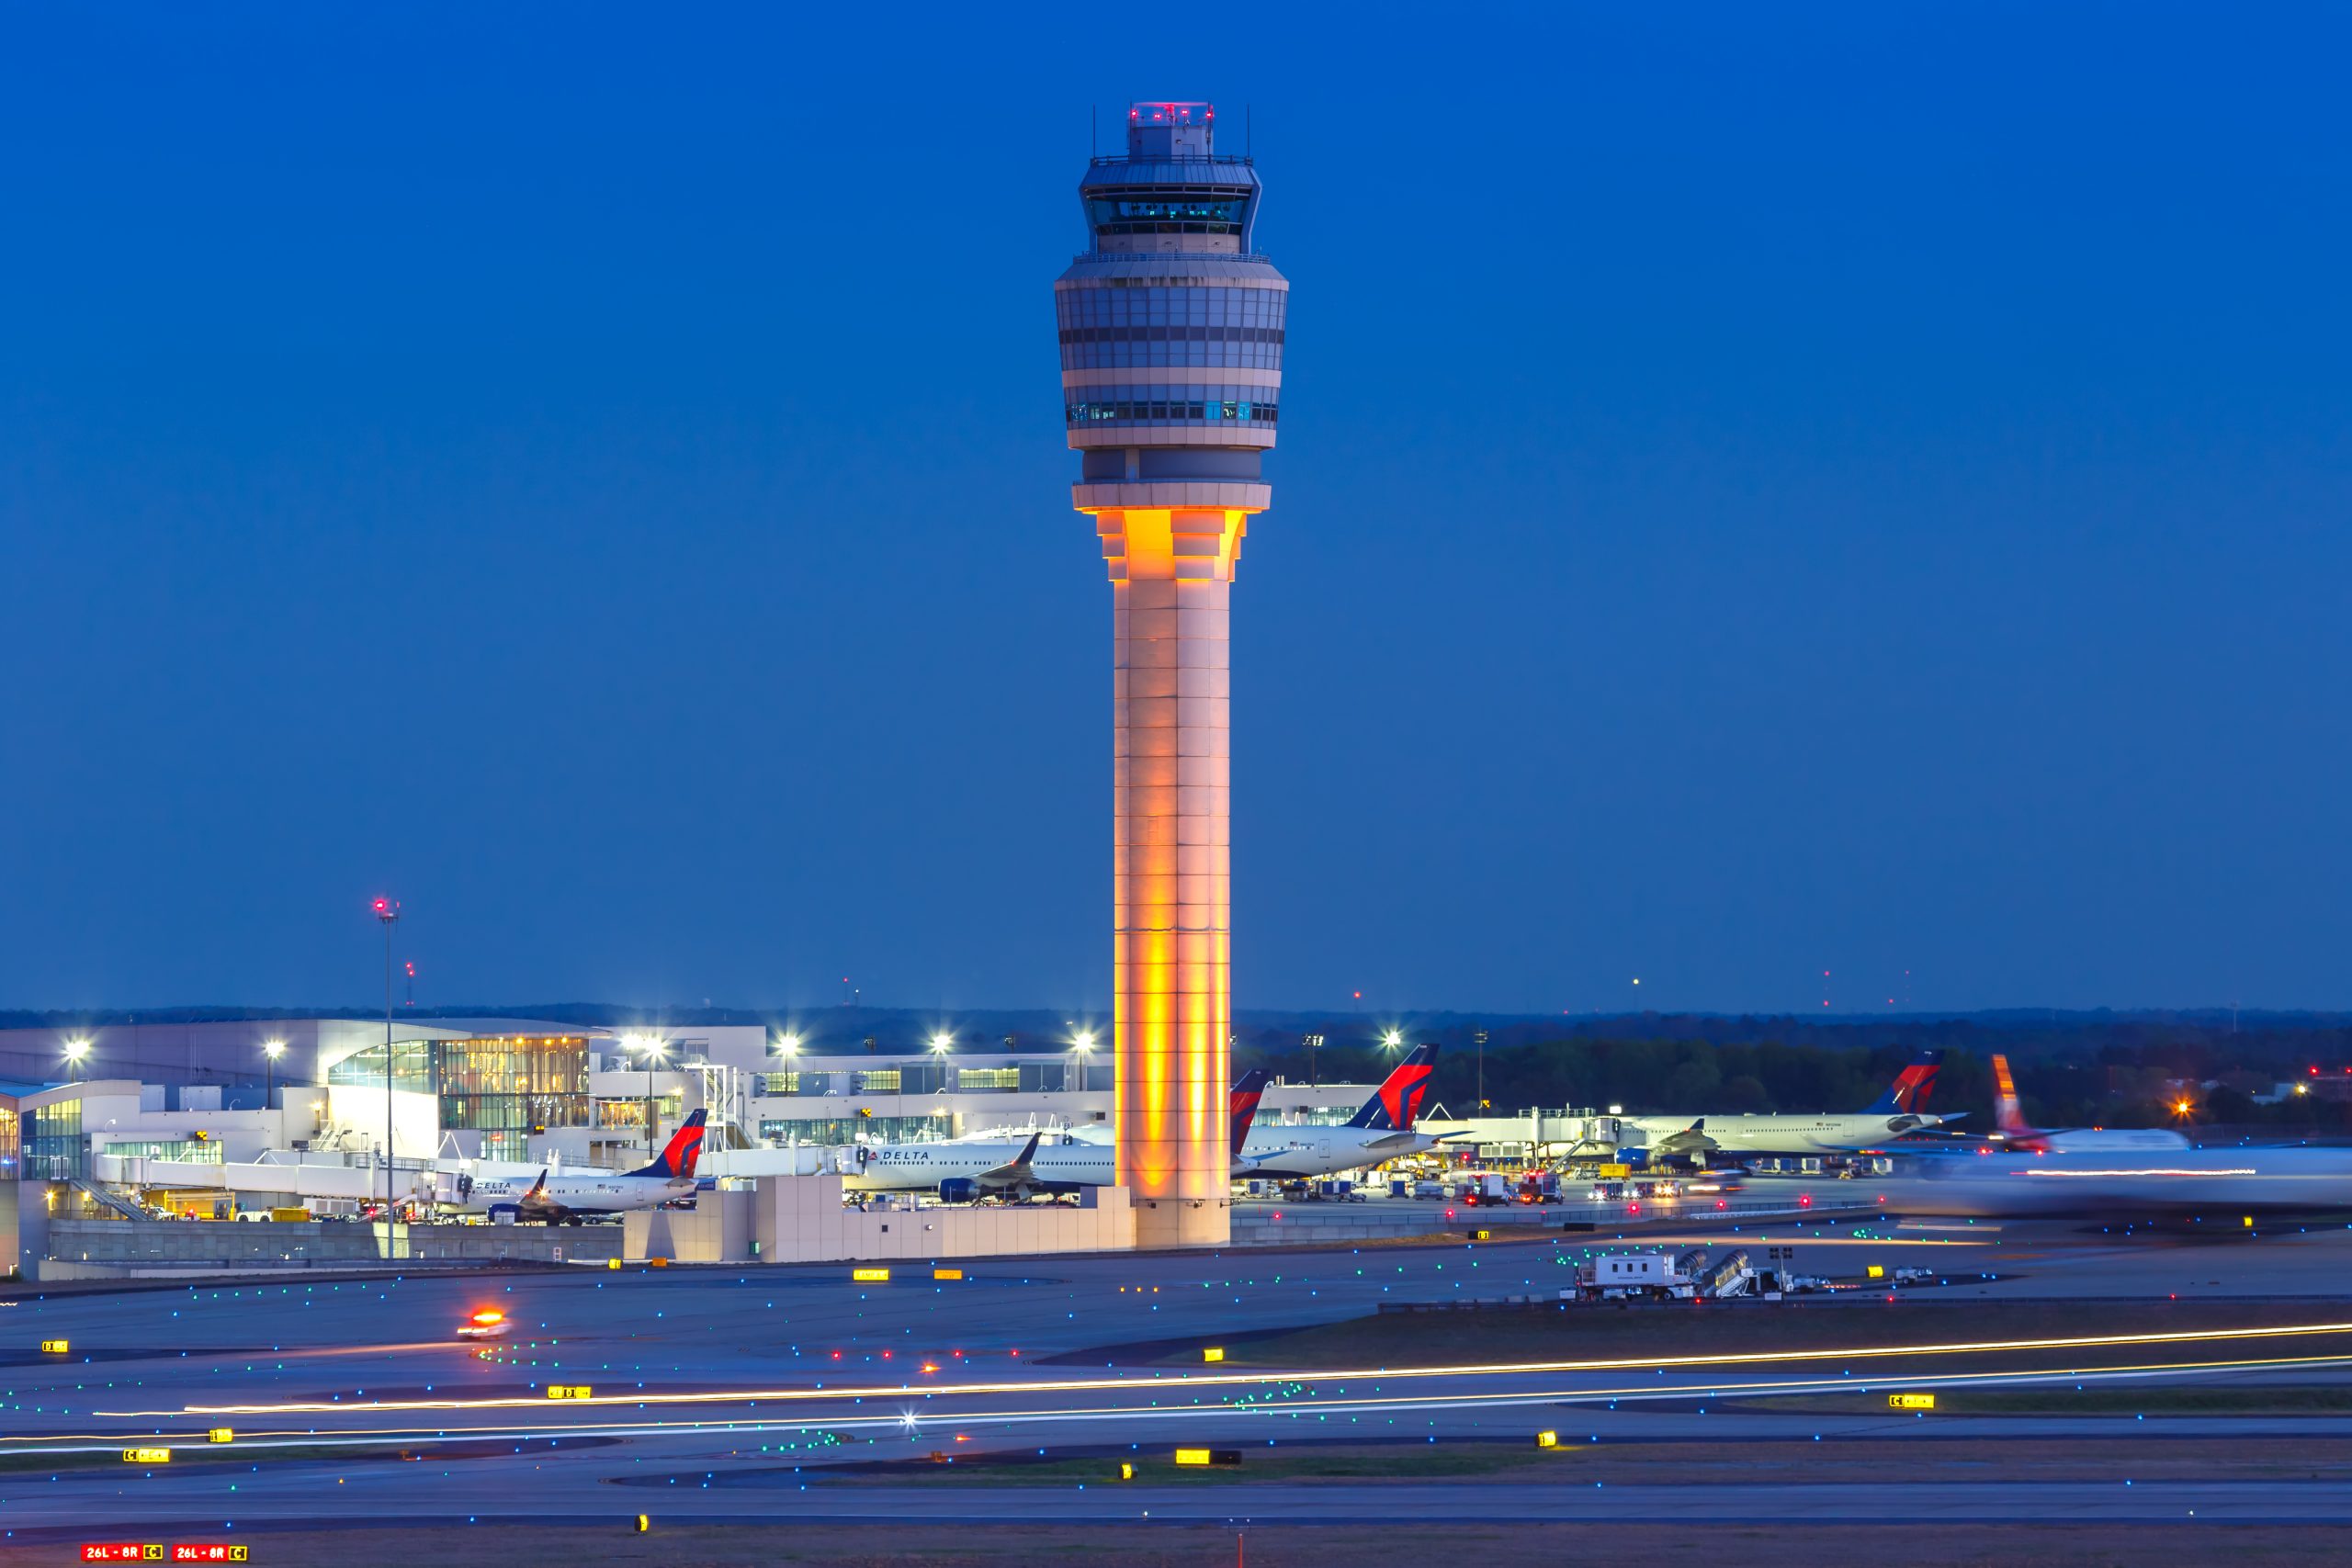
[1172, 582]
[1172, 334]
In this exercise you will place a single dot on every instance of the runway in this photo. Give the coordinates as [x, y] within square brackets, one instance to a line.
[774, 1393]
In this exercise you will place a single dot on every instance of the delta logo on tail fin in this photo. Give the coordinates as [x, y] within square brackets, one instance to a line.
[1396, 1104]
[1243, 1105]
[2009, 1116]
[677, 1161]
[1907, 1095]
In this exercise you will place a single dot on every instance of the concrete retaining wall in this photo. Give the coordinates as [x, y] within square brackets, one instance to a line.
[141, 1246]
[799, 1219]
[718, 1229]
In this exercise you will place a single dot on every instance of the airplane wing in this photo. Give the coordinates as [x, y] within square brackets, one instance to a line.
[1014, 1171]
[1694, 1137]
[1407, 1140]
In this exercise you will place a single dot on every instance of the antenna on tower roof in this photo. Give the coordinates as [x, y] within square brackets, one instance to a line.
[1093, 130]
[1249, 126]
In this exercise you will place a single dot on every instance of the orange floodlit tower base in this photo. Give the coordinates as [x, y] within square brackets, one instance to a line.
[1171, 335]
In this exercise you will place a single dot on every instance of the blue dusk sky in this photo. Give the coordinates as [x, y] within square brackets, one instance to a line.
[1762, 490]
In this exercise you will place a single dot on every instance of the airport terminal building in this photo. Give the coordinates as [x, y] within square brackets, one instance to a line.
[517, 1090]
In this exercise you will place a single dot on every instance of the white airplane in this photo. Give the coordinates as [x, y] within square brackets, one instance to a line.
[1380, 1131]
[2010, 1127]
[570, 1200]
[962, 1169]
[1899, 1111]
[959, 1171]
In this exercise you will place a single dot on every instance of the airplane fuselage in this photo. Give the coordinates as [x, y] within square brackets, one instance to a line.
[599, 1194]
[1277, 1153]
[1847, 1134]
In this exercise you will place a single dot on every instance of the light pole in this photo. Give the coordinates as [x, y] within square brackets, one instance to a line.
[1082, 1048]
[388, 911]
[1480, 1036]
[1313, 1044]
[653, 1045]
[271, 1050]
[1390, 1041]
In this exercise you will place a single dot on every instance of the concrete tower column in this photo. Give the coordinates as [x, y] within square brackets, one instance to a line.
[1172, 582]
[1171, 333]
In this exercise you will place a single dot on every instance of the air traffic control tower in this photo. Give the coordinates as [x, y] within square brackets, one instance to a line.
[1172, 340]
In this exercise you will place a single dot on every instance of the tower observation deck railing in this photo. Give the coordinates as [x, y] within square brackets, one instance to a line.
[1104, 159]
[1168, 255]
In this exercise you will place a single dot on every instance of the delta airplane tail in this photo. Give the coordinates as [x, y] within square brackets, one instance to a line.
[1243, 1105]
[1907, 1096]
[1396, 1103]
[677, 1161]
[2009, 1116]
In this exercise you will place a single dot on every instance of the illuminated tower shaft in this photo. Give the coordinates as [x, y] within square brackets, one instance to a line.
[1172, 335]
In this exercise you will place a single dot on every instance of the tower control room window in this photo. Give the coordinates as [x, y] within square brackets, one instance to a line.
[1161, 212]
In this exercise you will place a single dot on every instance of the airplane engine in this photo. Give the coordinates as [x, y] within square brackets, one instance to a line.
[959, 1190]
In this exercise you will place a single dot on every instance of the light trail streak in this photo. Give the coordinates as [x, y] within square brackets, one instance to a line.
[896, 1421]
[379, 1436]
[95, 1442]
[1074, 1385]
[1752, 1239]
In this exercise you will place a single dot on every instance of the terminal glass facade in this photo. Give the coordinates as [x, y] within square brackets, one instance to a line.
[504, 1086]
[54, 1148]
[184, 1151]
[629, 1113]
[853, 1129]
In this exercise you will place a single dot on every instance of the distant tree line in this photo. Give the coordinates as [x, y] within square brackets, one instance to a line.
[2084, 1074]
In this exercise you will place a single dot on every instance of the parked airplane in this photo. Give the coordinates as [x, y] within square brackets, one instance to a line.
[960, 1171]
[1381, 1131]
[1902, 1109]
[2011, 1128]
[570, 1200]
